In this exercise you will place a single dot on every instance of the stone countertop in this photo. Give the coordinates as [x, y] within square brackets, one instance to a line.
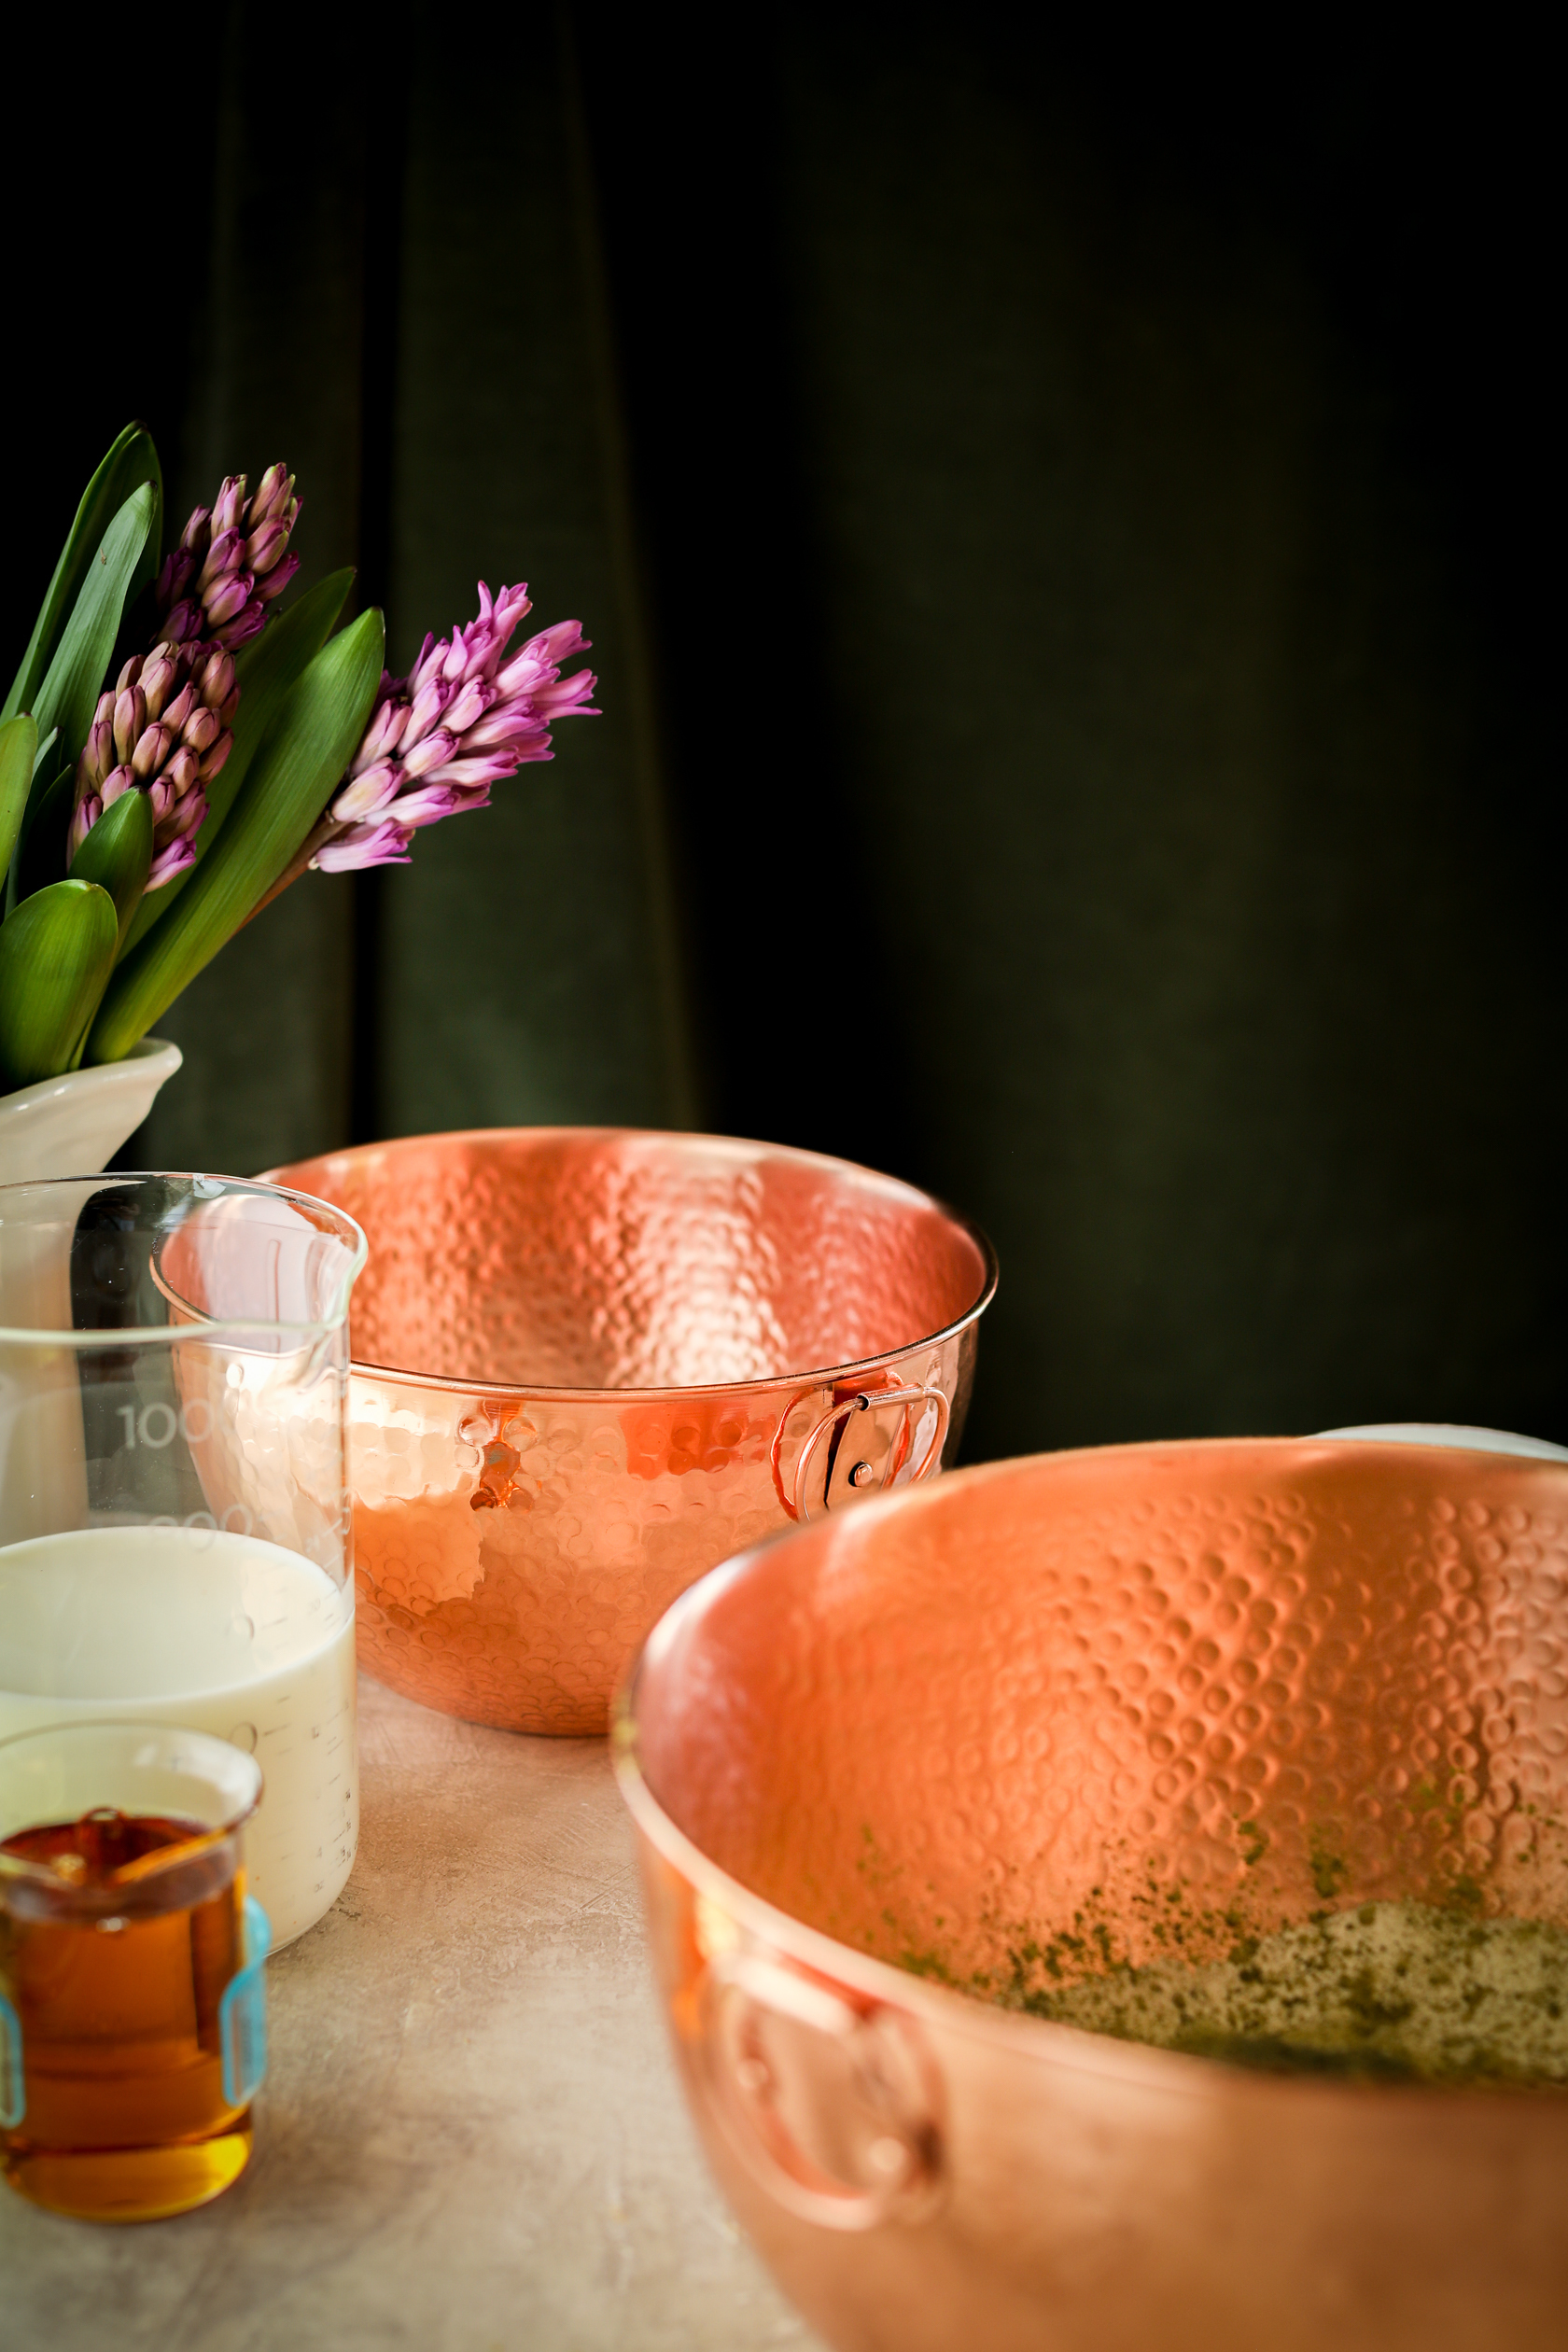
[471, 2137]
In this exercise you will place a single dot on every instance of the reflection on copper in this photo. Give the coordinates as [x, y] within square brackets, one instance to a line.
[587, 1365]
[1071, 1692]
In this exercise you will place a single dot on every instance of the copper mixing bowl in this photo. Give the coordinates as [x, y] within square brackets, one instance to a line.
[1055, 1697]
[589, 1363]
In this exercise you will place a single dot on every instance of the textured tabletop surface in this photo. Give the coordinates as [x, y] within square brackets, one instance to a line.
[472, 2138]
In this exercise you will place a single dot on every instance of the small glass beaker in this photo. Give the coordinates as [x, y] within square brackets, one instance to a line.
[132, 2033]
[175, 1527]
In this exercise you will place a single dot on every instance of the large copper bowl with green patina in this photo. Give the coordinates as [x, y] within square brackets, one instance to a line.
[906, 1781]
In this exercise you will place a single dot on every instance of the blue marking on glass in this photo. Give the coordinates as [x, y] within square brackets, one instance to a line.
[13, 2082]
[242, 2013]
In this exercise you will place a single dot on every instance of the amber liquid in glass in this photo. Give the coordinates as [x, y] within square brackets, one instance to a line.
[125, 2117]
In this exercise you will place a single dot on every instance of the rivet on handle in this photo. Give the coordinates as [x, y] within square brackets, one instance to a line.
[838, 1417]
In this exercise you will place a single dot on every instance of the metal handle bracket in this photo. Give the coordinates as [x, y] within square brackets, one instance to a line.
[839, 1416]
[880, 2076]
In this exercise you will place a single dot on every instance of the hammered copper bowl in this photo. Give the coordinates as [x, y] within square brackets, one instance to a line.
[1074, 1695]
[590, 1362]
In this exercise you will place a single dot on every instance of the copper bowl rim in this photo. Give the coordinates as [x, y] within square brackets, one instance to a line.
[1139, 2063]
[817, 1376]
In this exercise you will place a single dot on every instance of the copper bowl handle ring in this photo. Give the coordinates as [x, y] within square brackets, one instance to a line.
[886, 2055]
[835, 1422]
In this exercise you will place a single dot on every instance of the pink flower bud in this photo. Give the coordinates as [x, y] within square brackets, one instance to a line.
[100, 755]
[468, 705]
[218, 681]
[152, 749]
[128, 677]
[189, 815]
[567, 697]
[182, 773]
[86, 816]
[470, 774]
[510, 606]
[266, 547]
[431, 753]
[382, 735]
[178, 565]
[99, 752]
[213, 764]
[176, 858]
[368, 794]
[130, 719]
[432, 654]
[428, 807]
[225, 554]
[219, 575]
[541, 656]
[247, 622]
[562, 641]
[179, 710]
[199, 727]
[277, 579]
[160, 674]
[118, 780]
[273, 496]
[513, 724]
[193, 539]
[383, 843]
[426, 708]
[229, 507]
[184, 623]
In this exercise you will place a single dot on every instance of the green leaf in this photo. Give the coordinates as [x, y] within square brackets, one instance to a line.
[265, 670]
[42, 856]
[18, 749]
[75, 678]
[116, 854]
[130, 463]
[304, 753]
[47, 762]
[56, 952]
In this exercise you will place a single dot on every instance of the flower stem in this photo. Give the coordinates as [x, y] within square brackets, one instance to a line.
[298, 864]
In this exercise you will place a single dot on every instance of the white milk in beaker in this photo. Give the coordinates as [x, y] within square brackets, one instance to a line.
[219, 1633]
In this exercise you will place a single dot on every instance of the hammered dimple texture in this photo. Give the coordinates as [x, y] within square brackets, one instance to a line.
[561, 1258]
[513, 1546]
[1218, 1685]
[266, 1434]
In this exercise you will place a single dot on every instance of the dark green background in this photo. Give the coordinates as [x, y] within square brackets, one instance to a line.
[1067, 524]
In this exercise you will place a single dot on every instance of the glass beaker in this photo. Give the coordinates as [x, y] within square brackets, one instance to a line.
[174, 1529]
[132, 2033]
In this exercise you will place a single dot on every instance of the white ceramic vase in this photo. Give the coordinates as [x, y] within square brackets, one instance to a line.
[73, 1125]
[60, 1127]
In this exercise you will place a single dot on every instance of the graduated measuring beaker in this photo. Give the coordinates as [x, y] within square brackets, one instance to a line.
[133, 2019]
[175, 1530]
